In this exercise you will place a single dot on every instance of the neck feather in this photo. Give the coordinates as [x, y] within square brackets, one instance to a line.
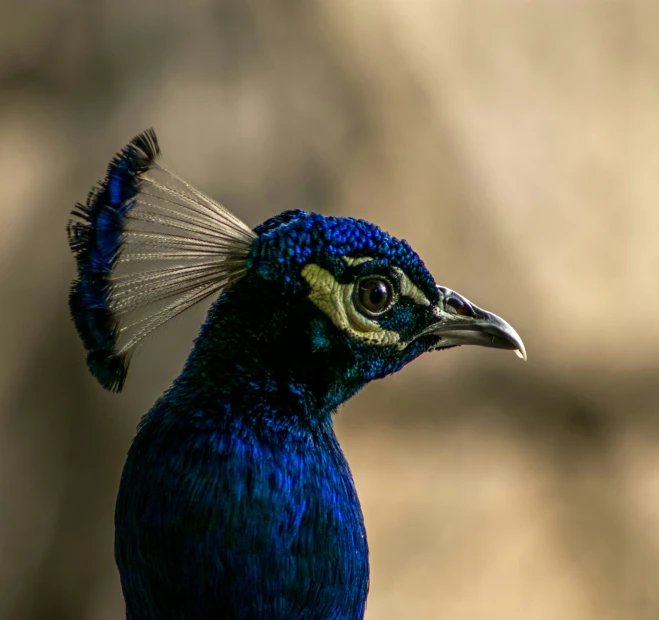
[273, 359]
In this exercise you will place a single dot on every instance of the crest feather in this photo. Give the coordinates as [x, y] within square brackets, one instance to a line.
[148, 246]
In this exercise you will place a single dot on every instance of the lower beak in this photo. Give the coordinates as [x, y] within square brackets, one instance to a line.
[460, 322]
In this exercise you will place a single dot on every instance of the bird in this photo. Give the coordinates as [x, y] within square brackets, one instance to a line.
[236, 500]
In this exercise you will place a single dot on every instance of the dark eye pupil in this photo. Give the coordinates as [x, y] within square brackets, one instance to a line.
[377, 295]
[374, 294]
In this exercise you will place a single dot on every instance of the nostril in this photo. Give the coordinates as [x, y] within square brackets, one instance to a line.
[458, 306]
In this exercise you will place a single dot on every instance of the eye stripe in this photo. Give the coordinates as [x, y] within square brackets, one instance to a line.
[336, 301]
[353, 262]
[409, 289]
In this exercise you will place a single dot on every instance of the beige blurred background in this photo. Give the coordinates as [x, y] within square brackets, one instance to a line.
[515, 144]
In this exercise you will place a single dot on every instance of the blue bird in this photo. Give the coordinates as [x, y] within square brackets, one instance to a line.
[236, 501]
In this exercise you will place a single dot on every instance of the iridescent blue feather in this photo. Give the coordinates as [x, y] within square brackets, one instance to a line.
[96, 241]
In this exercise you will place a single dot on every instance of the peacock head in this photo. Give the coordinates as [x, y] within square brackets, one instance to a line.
[347, 299]
[368, 293]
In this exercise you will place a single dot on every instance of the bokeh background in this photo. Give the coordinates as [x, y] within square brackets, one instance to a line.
[515, 144]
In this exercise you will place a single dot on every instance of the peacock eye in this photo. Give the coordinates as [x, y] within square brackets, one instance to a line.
[373, 295]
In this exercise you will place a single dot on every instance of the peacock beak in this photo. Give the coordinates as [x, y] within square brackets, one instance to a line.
[459, 322]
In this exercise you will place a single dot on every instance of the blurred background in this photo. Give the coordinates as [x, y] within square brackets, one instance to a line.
[514, 144]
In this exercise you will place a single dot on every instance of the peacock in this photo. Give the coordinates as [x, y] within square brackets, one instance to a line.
[236, 501]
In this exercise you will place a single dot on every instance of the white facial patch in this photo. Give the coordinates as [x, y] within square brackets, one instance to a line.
[351, 261]
[409, 289]
[335, 300]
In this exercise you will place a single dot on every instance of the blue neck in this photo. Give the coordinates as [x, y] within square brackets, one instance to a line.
[291, 372]
[236, 500]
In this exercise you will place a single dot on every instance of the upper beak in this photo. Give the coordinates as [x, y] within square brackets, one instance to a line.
[461, 322]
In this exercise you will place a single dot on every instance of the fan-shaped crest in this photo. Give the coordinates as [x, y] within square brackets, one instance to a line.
[148, 246]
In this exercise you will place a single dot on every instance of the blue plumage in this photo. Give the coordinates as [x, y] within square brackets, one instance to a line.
[236, 500]
[96, 240]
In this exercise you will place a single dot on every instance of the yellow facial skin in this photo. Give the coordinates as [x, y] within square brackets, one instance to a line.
[409, 289]
[335, 300]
